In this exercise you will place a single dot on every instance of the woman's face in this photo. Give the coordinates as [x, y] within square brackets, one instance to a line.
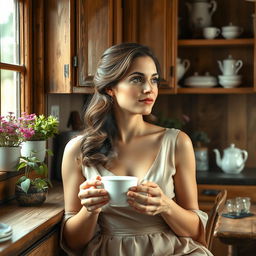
[137, 91]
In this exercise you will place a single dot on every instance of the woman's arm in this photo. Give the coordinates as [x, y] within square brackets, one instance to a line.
[179, 216]
[80, 228]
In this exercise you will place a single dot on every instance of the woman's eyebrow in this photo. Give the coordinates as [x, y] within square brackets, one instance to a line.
[141, 74]
[136, 73]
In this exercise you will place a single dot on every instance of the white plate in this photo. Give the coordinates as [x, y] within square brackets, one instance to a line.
[5, 229]
[201, 85]
[5, 238]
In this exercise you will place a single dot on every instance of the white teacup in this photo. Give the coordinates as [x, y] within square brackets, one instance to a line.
[117, 187]
[211, 32]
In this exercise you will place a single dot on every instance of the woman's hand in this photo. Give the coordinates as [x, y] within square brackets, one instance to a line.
[93, 198]
[148, 198]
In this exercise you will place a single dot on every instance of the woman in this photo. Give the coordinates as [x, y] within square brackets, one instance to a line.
[164, 220]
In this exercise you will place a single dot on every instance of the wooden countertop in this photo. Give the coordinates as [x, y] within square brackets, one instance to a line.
[29, 224]
[216, 176]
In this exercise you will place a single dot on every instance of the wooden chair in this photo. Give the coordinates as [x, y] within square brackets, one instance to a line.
[214, 216]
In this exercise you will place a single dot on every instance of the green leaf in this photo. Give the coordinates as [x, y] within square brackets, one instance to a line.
[21, 179]
[21, 165]
[25, 185]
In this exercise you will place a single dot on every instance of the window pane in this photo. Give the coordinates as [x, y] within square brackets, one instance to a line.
[10, 91]
[9, 32]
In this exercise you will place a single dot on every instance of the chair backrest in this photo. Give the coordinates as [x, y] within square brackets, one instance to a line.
[214, 216]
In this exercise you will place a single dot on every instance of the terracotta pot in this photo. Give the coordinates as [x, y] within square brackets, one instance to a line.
[33, 197]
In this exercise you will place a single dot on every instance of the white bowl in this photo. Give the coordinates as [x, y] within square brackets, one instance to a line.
[229, 84]
[231, 28]
[230, 34]
[230, 78]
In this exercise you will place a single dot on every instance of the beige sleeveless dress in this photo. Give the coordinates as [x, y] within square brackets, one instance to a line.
[124, 232]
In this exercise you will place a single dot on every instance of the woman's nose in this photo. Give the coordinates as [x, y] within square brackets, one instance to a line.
[147, 87]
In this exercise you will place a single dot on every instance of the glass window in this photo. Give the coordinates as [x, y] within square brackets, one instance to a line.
[9, 32]
[12, 71]
[10, 91]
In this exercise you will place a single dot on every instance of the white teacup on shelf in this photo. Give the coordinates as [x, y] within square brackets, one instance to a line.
[211, 32]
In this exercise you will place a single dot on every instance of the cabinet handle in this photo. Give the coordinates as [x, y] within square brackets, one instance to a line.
[210, 192]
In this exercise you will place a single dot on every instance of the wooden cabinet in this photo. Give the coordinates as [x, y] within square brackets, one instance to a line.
[49, 245]
[98, 27]
[204, 53]
[152, 23]
[77, 33]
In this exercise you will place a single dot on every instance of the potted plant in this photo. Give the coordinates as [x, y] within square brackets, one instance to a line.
[44, 128]
[31, 191]
[13, 132]
[200, 140]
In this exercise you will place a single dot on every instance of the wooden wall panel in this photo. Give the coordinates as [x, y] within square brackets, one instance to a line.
[237, 121]
[226, 118]
[251, 130]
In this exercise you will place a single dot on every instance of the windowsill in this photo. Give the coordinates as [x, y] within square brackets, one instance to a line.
[29, 224]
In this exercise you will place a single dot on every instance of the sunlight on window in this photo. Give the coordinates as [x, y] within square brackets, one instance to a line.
[9, 32]
[9, 91]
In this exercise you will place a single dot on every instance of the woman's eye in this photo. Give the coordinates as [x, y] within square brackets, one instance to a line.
[136, 80]
[155, 80]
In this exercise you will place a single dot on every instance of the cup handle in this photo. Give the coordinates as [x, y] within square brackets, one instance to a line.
[239, 64]
[186, 64]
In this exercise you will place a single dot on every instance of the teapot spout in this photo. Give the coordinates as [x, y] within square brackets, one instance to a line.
[218, 159]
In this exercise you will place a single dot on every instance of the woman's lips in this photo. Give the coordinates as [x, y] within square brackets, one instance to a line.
[147, 101]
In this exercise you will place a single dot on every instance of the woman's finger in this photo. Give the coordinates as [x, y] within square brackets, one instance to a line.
[144, 199]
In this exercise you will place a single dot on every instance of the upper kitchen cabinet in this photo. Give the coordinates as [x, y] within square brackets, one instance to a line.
[59, 45]
[220, 60]
[98, 28]
[78, 32]
[152, 23]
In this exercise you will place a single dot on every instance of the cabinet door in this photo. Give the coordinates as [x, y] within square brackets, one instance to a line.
[98, 26]
[59, 47]
[152, 23]
[47, 246]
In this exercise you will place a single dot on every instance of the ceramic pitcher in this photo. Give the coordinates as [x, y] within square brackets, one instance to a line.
[230, 66]
[201, 12]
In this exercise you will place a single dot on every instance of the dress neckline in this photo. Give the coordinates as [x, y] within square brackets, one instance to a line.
[154, 162]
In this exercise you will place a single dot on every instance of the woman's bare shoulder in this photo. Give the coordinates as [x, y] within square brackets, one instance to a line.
[74, 145]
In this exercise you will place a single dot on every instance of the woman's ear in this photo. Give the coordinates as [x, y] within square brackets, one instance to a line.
[110, 92]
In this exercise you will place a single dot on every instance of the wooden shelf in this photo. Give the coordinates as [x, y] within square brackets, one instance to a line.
[217, 90]
[216, 42]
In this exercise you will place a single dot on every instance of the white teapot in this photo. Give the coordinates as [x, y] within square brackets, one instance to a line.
[230, 66]
[233, 159]
[182, 67]
[201, 12]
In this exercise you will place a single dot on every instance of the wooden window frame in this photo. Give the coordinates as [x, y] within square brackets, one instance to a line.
[25, 68]
[8, 179]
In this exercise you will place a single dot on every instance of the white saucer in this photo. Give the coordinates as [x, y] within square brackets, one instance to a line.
[5, 238]
[4, 228]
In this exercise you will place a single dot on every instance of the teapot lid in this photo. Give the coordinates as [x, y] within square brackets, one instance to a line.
[232, 148]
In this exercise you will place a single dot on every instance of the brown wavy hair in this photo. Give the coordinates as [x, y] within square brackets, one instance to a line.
[101, 128]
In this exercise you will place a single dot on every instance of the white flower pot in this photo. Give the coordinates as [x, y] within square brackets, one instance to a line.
[35, 148]
[9, 158]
